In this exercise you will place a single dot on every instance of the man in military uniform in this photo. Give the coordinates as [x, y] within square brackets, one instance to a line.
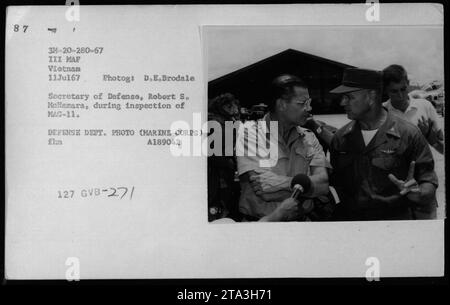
[383, 168]
[298, 151]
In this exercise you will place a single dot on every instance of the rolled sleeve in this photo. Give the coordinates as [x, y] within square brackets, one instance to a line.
[248, 153]
[246, 164]
[432, 114]
[319, 158]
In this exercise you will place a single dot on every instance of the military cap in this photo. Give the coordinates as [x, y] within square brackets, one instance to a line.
[355, 79]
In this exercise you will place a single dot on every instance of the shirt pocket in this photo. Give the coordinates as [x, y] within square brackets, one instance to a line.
[385, 163]
[381, 167]
[306, 152]
[344, 160]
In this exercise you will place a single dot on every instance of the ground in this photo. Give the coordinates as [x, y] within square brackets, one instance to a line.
[339, 120]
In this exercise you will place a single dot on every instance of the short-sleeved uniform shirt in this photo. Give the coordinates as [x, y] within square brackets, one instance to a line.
[361, 171]
[417, 108]
[301, 151]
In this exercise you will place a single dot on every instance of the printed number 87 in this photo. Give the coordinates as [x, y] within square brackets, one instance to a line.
[17, 28]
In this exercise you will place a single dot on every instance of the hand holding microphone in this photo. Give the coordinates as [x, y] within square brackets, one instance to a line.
[301, 184]
[295, 207]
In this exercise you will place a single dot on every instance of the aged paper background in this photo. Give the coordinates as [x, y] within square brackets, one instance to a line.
[163, 231]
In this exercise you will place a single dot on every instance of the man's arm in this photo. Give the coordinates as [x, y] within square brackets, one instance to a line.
[421, 194]
[421, 181]
[430, 128]
[432, 133]
[427, 193]
[277, 196]
[326, 136]
[424, 173]
[265, 181]
[288, 210]
[436, 139]
[319, 182]
[283, 191]
[260, 183]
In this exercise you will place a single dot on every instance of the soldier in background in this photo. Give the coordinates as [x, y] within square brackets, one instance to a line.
[223, 188]
[418, 111]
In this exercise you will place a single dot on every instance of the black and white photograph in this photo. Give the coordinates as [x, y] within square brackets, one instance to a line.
[266, 142]
[358, 123]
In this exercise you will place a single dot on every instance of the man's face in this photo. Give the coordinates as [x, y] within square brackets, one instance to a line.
[398, 92]
[297, 106]
[356, 104]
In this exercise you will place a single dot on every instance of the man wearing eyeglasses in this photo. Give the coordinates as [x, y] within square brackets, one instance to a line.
[298, 152]
[383, 168]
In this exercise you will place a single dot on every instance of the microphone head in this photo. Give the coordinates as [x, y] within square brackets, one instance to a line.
[303, 180]
[299, 188]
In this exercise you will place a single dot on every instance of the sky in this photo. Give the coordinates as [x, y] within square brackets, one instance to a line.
[420, 50]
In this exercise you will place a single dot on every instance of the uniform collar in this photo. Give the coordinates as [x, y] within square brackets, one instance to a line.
[295, 132]
[389, 126]
[388, 129]
[412, 105]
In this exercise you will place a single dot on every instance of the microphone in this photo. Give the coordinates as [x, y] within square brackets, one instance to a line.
[301, 185]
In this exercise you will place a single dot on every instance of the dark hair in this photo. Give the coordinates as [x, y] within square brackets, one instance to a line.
[281, 86]
[394, 74]
[218, 102]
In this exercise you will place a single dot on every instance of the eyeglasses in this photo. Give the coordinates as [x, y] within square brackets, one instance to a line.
[303, 103]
